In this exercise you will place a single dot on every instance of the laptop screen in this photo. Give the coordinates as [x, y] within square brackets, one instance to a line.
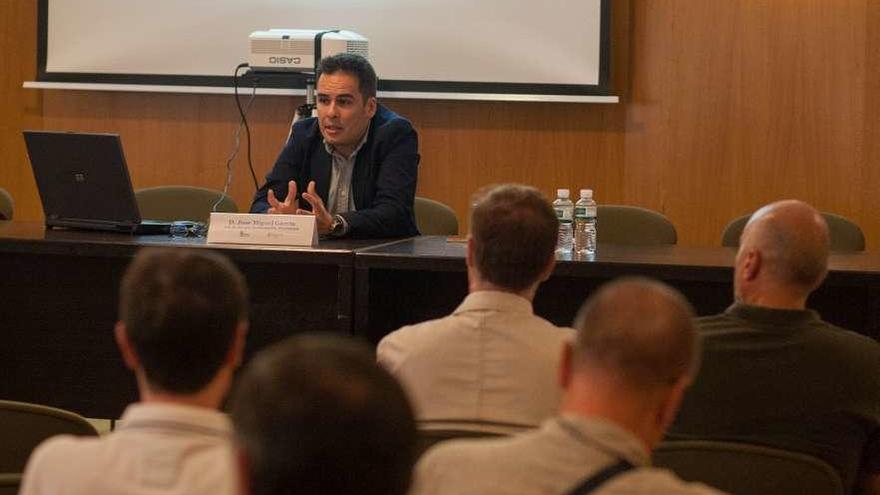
[82, 179]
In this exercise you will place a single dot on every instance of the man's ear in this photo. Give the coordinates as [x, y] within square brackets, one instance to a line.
[669, 406]
[752, 264]
[372, 106]
[243, 464]
[125, 348]
[565, 365]
[548, 270]
[469, 254]
[236, 351]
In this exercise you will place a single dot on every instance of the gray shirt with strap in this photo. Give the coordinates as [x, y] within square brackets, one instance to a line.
[551, 460]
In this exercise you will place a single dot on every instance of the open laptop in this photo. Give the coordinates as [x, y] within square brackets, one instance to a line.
[84, 183]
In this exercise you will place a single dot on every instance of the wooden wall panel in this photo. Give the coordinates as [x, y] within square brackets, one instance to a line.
[19, 108]
[727, 104]
[178, 139]
[745, 102]
[866, 187]
[468, 145]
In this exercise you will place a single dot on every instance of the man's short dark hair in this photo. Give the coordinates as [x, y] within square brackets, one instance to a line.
[180, 308]
[316, 414]
[355, 65]
[514, 231]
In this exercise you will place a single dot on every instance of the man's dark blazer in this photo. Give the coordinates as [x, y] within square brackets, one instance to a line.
[383, 182]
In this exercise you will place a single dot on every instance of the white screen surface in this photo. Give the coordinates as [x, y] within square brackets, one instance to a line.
[553, 42]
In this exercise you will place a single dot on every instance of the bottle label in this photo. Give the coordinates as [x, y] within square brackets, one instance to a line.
[584, 212]
[563, 214]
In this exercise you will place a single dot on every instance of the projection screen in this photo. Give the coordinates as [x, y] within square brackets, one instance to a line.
[554, 47]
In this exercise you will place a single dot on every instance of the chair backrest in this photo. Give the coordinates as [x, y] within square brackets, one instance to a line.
[739, 468]
[435, 218]
[621, 224]
[430, 437]
[23, 426]
[7, 205]
[10, 483]
[172, 203]
[845, 234]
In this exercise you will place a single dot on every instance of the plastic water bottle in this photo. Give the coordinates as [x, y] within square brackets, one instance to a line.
[585, 225]
[564, 212]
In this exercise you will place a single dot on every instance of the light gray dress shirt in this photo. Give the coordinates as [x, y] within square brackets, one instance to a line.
[159, 449]
[548, 461]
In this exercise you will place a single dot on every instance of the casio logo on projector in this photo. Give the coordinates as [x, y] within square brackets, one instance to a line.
[285, 60]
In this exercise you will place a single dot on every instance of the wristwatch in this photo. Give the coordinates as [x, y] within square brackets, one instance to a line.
[337, 226]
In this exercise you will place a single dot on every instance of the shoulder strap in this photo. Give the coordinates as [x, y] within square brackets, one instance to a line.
[595, 481]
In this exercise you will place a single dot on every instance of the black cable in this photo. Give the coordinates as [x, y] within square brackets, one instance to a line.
[247, 128]
[234, 153]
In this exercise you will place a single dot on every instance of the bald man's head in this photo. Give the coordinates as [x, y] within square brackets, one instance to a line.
[792, 238]
[638, 330]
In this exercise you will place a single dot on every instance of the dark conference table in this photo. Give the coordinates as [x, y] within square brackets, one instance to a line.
[58, 305]
[58, 297]
[424, 277]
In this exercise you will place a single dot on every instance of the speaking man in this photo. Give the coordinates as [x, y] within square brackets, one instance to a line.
[354, 167]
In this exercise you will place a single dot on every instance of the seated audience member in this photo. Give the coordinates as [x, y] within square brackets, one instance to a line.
[773, 372]
[354, 167]
[182, 327]
[623, 378]
[315, 415]
[491, 364]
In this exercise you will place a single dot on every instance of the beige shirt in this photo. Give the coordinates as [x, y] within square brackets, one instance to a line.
[159, 449]
[551, 460]
[491, 361]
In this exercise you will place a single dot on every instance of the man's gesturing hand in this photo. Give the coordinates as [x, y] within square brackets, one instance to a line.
[290, 205]
[322, 216]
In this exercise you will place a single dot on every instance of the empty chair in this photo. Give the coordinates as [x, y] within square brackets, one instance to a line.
[845, 234]
[172, 203]
[9, 483]
[435, 218]
[7, 205]
[430, 437]
[621, 224]
[740, 468]
[23, 426]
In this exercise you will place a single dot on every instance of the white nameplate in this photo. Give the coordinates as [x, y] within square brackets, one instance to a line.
[257, 228]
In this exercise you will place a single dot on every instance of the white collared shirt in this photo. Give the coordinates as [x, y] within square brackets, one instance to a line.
[490, 366]
[158, 449]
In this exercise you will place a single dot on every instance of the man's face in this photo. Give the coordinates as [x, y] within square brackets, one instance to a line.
[343, 115]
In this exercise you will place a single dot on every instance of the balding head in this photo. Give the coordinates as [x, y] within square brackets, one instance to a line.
[639, 331]
[793, 242]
